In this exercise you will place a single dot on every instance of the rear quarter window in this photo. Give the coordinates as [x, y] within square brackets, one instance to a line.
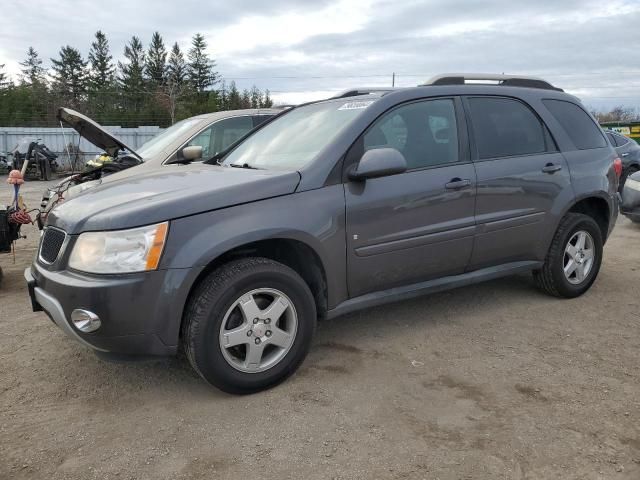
[582, 130]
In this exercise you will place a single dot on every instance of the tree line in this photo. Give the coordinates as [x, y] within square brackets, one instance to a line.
[150, 86]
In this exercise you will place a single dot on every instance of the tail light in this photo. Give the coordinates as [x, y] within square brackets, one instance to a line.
[617, 167]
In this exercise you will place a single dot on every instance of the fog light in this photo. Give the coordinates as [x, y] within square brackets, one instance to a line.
[85, 321]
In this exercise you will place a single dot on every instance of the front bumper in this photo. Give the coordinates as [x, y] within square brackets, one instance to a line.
[140, 313]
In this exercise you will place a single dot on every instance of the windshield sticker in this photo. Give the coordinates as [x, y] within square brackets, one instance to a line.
[355, 105]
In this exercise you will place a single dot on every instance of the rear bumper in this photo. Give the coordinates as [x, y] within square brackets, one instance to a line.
[140, 313]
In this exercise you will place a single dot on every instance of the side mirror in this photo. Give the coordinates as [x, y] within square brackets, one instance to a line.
[379, 162]
[191, 153]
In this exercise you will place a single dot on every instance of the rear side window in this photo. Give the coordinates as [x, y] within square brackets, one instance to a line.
[582, 130]
[612, 139]
[504, 127]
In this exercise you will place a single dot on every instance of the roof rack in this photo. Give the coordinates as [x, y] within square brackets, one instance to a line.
[504, 80]
[354, 92]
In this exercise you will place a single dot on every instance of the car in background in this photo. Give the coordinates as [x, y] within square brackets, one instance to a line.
[630, 198]
[629, 153]
[200, 137]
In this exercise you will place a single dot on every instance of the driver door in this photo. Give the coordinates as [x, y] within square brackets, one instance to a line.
[418, 225]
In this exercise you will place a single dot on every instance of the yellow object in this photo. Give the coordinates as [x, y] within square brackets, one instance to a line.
[153, 257]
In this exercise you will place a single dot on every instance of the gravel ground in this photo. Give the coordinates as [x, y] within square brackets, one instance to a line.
[494, 381]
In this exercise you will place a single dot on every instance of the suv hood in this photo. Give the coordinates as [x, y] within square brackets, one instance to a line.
[174, 191]
[93, 132]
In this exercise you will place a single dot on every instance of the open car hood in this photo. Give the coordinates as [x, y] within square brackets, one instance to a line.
[93, 132]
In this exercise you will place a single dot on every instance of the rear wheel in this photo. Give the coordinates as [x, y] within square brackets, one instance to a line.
[249, 325]
[574, 258]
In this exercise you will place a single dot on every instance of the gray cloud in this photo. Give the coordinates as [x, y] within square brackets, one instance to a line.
[576, 44]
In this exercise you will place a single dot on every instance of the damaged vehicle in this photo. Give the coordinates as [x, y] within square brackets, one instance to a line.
[193, 139]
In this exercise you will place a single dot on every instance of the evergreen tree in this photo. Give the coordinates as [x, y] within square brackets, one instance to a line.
[256, 97]
[245, 99]
[3, 77]
[233, 97]
[156, 60]
[201, 68]
[101, 62]
[132, 71]
[32, 71]
[70, 73]
[176, 66]
[267, 102]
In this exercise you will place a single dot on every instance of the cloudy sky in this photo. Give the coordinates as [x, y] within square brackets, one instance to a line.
[306, 50]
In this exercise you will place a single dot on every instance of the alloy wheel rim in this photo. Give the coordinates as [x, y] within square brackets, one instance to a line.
[258, 330]
[579, 256]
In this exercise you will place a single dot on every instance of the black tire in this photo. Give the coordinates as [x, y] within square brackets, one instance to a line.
[216, 294]
[551, 278]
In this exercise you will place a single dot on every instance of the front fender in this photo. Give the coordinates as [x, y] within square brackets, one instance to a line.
[315, 218]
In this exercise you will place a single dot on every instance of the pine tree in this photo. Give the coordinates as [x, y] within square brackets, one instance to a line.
[70, 73]
[32, 71]
[267, 102]
[256, 97]
[131, 76]
[201, 68]
[176, 66]
[245, 99]
[101, 62]
[3, 77]
[156, 60]
[233, 97]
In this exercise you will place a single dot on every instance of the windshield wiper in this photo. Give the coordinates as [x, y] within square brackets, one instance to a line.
[243, 165]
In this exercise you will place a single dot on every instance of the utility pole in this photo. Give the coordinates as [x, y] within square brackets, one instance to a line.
[393, 80]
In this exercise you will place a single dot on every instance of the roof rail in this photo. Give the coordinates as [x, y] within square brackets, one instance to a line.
[505, 80]
[354, 92]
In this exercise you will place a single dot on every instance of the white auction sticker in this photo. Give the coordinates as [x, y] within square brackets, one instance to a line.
[355, 105]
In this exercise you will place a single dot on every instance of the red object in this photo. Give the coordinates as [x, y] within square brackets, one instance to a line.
[617, 166]
[15, 177]
[20, 217]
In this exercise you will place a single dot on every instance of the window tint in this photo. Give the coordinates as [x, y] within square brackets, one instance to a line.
[258, 119]
[582, 130]
[425, 133]
[221, 135]
[503, 127]
[620, 140]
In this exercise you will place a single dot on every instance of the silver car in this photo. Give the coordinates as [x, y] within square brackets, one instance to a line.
[196, 138]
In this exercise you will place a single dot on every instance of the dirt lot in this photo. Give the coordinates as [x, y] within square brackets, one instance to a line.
[496, 381]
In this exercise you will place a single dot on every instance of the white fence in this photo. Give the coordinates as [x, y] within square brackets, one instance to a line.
[57, 139]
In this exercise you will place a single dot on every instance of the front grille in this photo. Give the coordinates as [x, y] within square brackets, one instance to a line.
[51, 243]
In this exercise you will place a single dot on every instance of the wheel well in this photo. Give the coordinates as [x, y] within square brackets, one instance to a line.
[596, 208]
[292, 253]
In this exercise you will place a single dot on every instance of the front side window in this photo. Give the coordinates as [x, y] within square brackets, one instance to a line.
[221, 135]
[424, 132]
[504, 127]
[160, 142]
[581, 128]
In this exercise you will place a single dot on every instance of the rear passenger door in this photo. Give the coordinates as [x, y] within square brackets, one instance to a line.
[522, 180]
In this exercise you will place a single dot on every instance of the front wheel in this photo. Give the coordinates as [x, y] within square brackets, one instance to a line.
[249, 325]
[574, 257]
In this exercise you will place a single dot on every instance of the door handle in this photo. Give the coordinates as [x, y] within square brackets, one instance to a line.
[625, 154]
[551, 168]
[457, 184]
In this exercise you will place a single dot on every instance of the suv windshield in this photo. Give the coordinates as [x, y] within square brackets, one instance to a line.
[293, 140]
[160, 142]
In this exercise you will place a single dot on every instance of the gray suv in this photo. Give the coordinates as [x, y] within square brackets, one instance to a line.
[331, 207]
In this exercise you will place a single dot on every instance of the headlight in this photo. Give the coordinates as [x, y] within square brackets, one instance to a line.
[632, 184]
[120, 251]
